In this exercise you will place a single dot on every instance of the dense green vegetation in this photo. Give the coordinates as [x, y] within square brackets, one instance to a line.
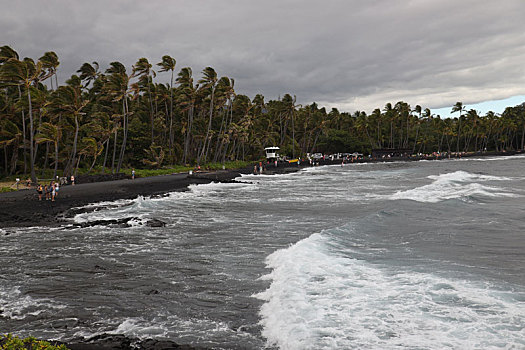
[109, 120]
[10, 342]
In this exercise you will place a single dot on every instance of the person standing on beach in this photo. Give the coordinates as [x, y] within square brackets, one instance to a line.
[39, 190]
[53, 191]
[133, 174]
[73, 180]
[57, 187]
[46, 192]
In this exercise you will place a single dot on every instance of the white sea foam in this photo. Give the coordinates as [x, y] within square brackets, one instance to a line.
[458, 184]
[16, 306]
[322, 299]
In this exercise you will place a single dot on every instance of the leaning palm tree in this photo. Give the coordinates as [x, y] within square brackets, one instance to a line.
[168, 64]
[52, 133]
[50, 64]
[69, 101]
[209, 81]
[117, 86]
[187, 96]
[14, 72]
[90, 148]
[142, 70]
[88, 73]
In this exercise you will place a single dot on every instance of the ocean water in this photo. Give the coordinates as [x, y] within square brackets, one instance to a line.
[406, 255]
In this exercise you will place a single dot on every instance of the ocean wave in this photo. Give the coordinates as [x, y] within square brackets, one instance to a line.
[455, 185]
[321, 298]
[16, 306]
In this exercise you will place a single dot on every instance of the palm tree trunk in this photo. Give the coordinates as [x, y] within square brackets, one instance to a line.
[74, 151]
[209, 127]
[114, 152]
[459, 132]
[31, 159]
[105, 156]
[219, 137]
[151, 111]
[5, 160]
[172, 136]
[188, 135]
[56, 160]
[76, 166]
[92, 164]
[24, 148]
[46, 159]
[415, 140]
[125, 137]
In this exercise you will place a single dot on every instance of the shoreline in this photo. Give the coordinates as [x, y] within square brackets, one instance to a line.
[23, 209]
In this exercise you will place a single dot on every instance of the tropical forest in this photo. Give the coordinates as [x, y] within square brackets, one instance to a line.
[107, 119]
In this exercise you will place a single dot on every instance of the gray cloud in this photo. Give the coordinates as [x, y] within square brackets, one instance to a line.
[348, 54]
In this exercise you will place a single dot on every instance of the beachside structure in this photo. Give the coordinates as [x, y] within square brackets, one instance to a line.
[271, 153]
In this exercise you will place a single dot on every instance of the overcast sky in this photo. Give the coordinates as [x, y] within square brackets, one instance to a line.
[348, 54]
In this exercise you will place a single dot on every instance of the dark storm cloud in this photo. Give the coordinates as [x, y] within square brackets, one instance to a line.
[349, 54]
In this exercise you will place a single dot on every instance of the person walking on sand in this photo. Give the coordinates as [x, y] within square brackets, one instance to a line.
[57, 187]
[133, 174]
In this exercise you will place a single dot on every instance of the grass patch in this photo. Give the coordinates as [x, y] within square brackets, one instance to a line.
[184, 169]
[6, 189]
[166, 170]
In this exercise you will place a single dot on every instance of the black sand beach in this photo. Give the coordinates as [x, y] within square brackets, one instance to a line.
[22, 208]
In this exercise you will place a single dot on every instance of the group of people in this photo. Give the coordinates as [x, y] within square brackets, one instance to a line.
[49, 192]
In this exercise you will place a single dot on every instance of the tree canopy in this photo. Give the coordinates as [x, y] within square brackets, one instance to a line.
[118, 117]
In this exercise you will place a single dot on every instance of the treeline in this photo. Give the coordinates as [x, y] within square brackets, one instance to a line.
[114, 118]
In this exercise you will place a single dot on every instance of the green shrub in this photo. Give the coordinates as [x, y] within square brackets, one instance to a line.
[10, 342]
[6, 189]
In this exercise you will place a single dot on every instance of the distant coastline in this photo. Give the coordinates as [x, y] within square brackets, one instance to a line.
[23, 209]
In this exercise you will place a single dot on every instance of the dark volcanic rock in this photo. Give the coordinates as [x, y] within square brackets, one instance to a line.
[155, 223]
[117, 341]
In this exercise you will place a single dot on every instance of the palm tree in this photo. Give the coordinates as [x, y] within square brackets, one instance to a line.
[209, 81]
[187, 96]
[14, 72]
[88, 73]
[142, 70]
[458, 107]
[10, 135]
[49, 132]
[390, 116]
[117, 85]
[168, 64]
[90, 147]
[50, 64]
[69, 101]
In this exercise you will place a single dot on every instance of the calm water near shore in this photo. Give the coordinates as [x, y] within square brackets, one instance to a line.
[415, 255]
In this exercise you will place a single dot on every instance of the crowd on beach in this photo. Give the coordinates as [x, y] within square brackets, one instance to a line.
[50, 192]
